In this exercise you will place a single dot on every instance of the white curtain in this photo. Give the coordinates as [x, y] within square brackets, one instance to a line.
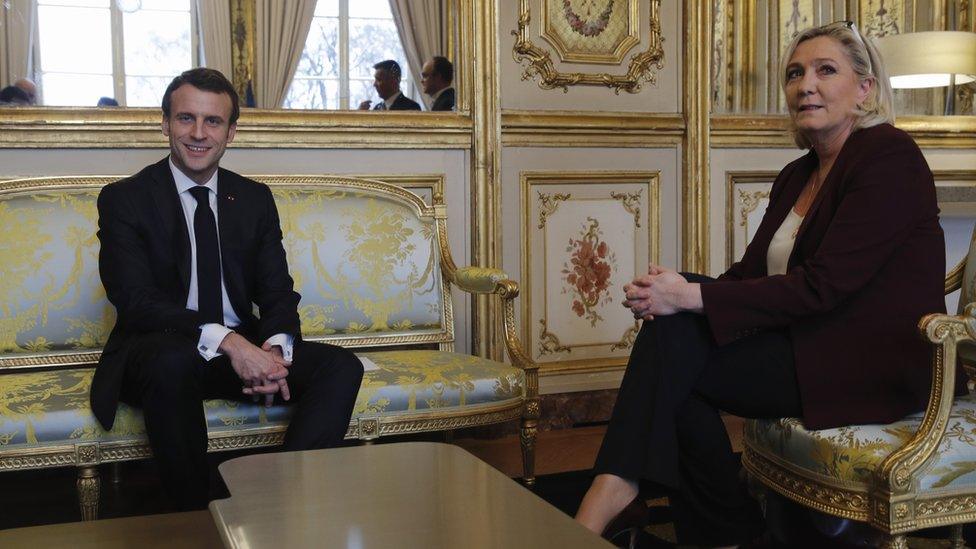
[19, 22]
[214, 25]
[280, 33]
[421, 27]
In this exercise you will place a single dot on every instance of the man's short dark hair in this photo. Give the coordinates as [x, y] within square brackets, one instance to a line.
[14, 96]
[207, 80]
[391, 67]
[444, 68]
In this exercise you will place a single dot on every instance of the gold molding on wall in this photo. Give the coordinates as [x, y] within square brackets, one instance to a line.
[242, 38]
[772, 131]
[479, 35]
[641, 69]
[581, 128]
[589, 179]
[73, 127]
[696, 104]
[731, 179]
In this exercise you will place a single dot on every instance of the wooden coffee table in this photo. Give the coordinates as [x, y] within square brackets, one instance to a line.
[192, 530]
[403, 495]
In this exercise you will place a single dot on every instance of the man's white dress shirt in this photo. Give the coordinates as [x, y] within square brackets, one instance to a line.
[211, 335]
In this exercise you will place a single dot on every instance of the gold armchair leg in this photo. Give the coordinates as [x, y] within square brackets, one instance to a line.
[527, 434]
[955, 538]
[895, 542]
[88, 491]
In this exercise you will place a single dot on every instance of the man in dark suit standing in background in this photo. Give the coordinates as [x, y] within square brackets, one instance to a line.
[436, 78]
[386, 81]
[187, 250]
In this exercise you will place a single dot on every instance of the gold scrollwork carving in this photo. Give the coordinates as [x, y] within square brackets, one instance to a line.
[631, 203]
[641, 69]
[951, 505]
[627, 341]
[548, 203]
[548, 342]
[748, 203]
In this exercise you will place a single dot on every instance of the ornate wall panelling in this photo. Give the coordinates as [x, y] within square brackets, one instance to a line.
[581, 55]
[585, 234]
[747, 195]
[750, 36]
[588, 32]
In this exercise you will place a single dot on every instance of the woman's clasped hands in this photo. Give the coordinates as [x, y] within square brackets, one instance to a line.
[661, 292]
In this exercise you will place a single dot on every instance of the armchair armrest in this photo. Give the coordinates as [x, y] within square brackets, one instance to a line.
[945, 332]
[953, 280]
[479, 280]
[485, 280]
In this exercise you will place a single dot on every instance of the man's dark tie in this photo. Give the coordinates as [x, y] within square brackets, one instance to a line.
[209, 299]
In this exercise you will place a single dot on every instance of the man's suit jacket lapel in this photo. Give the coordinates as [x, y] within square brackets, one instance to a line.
[171, 217]
[229, 219]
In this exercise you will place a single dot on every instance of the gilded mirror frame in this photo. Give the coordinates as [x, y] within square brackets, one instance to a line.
[89, 127]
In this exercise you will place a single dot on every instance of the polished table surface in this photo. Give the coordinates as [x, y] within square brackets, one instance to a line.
[193, 530]
[402, 495]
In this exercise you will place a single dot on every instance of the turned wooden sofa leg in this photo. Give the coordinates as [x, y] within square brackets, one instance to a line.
[527, 433]
[88, 491]
[955, 537]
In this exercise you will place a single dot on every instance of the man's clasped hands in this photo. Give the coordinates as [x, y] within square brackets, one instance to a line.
[262, 369]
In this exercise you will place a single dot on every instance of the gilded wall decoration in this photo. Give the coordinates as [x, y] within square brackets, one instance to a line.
[591, 31]
[585, 235]
[590, 38]
[746, 196]
[748, 39]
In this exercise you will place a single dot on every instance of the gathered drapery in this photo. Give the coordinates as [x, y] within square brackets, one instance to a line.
[214, 25]
[19, 21]
[281, 28]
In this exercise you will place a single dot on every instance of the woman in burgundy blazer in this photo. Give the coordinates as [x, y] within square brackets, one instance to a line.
[818, 319]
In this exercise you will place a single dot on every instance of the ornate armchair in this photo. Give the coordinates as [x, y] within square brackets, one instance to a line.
[916, 473]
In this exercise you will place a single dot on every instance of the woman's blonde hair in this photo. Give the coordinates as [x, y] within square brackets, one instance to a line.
[878, 108]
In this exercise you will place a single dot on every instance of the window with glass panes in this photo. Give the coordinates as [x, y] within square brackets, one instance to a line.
[126, 49]
[346, 39]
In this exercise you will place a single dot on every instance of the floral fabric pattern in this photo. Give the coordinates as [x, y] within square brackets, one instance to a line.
[45, 408]
[852, 453]
[364, 262]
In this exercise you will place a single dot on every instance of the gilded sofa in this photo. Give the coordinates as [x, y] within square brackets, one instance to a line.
[372, 264]
[916, 473]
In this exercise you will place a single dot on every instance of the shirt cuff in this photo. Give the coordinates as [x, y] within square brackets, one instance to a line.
[211, 335]
[285, 341]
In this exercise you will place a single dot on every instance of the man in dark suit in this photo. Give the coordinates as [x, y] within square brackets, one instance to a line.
[187, 250]
[386, 81]
[436, 78]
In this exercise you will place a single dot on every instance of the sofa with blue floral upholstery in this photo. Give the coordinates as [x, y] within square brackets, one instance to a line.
[372, 264]
[916, 473]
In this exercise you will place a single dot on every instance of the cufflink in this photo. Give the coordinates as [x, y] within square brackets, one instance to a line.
[203, 348]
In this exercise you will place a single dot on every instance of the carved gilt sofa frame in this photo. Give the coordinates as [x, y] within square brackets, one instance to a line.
[917, 473]
[349, 241]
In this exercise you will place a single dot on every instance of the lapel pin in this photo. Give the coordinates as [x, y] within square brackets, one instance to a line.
[230, 197]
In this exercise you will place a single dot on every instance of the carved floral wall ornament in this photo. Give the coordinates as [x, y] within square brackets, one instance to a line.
[590, 31]
[587, 271]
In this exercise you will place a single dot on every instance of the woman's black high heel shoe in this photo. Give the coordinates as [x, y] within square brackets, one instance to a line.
[630, 521]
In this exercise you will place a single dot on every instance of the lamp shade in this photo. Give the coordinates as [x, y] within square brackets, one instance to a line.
[928, 59]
